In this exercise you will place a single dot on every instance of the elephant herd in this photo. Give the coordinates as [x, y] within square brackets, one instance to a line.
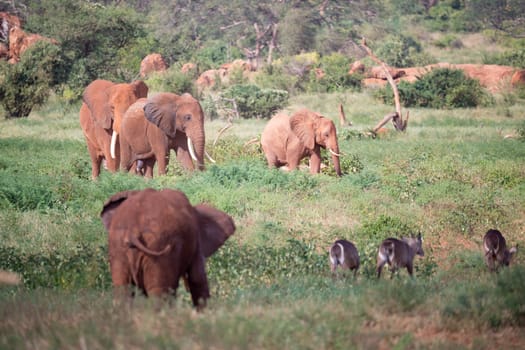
[123, 127]
[156, 237]
[129, 131]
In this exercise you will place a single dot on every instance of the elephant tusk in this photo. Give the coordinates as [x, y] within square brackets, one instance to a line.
[113, 144]
[192, 150]
[209, 157]
[333, 153]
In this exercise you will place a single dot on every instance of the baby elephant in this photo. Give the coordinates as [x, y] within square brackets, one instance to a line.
[496, 252]
[399, 253]
[344, 253]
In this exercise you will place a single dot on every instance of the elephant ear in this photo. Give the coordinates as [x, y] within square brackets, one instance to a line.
[96, 97]
[215, 227]
[161, 110]
[303, 124]
[140, 89]
[112, 204]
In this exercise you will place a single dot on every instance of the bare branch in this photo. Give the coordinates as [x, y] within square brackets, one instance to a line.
[397, 118]
[226, 127]
[232, 25]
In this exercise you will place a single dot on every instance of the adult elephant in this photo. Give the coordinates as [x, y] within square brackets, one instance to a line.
[157, 237]
[103, 106]
[286, 140]
[152, 127]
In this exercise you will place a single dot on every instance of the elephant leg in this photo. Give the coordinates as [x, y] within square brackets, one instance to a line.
[162, 163]
[315, 161]
[122, 281]
[112, 164]
[183, 153]
[96, 161]
[161, 151]
[293, 159]
[161, 276]
[125, 157]
[198, 282]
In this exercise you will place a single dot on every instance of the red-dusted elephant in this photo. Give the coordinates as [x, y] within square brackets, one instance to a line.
[152, 127]
[104, 104]
[286, 140]
[157, 237]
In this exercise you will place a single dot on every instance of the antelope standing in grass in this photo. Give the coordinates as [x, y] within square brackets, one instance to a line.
[344, 253]
[399, 253]
[496, 252]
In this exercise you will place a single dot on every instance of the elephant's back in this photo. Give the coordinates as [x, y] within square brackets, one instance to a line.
[136, 110]
[275, 130]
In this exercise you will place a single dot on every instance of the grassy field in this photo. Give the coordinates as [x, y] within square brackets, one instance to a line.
[452, 175]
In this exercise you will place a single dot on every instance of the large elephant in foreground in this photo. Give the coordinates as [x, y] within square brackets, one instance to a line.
[157, 237]
[286, 140]
[152, 127]
[103, 106]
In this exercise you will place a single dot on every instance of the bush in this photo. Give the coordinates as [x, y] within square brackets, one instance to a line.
[254, 102]
[514, 58]
[398, 50]
[97, 41]
[28, 83]
[172, 80]
[441, 88]
[274, 77]
[336, 77]
[493, 304]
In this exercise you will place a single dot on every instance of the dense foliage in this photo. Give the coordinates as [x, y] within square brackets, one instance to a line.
[441, 88]
[254, 102]
[28, 83]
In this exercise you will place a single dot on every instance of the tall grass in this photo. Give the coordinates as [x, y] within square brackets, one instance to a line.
[451, 175]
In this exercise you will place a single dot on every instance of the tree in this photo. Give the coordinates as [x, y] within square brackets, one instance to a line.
[507, 16]
[27, 83]
[94, 39]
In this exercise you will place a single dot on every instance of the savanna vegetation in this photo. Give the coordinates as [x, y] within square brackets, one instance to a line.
[452, 175]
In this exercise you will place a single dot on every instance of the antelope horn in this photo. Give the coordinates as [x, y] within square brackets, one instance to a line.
[192, 150]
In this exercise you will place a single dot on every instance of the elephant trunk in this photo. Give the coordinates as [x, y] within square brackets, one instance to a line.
[335, 159]
[196, 149]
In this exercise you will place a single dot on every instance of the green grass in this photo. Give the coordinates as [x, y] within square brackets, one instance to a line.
[451, 175]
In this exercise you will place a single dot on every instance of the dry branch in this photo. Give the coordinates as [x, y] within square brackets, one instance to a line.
[226, 127]
[397, 116]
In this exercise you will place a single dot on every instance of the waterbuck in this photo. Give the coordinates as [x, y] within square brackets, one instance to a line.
[496, 252]
[344, 253]
[399, 253]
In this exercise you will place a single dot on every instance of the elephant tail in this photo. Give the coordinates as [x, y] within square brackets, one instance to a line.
[133, 241]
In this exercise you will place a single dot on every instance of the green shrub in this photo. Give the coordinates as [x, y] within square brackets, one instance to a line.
[336, 77]
[172, 80]
[440, 88]
[235, 174]
[84, 267]
[521, 132]
[397, 50]
[349, 163]
[274, 77]
[514, 58]
[28, 83]
[495, 304]
[449, 41]
[254, 102]
[214, 53]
